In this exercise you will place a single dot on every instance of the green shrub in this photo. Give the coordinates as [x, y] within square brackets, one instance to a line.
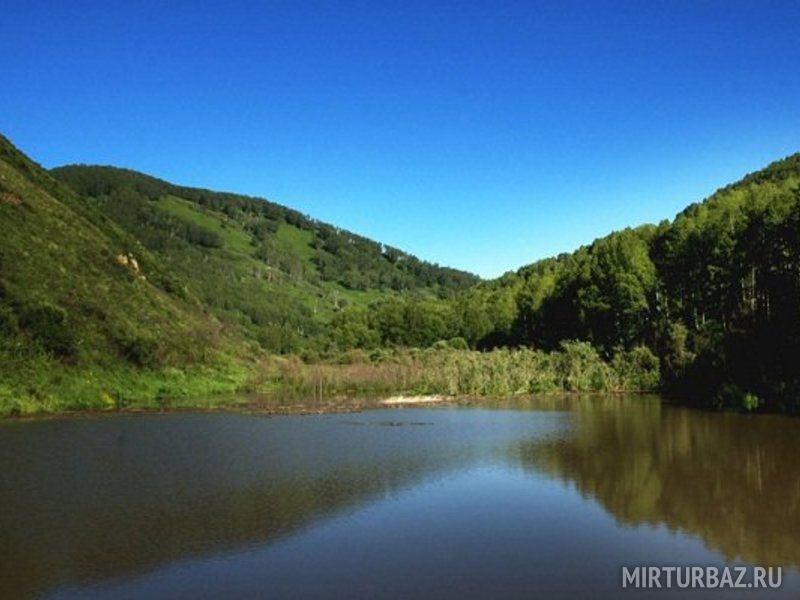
[458, 343]
[138, 351]
[9, 324]
[582, 369]
[750, 402]
[637, 369]
[47, 324]
[731, 396]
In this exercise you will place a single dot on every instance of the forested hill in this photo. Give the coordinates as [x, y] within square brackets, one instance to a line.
[714, 294]
[106, 273]
[337, 255]
[116, 287]
[276, 272]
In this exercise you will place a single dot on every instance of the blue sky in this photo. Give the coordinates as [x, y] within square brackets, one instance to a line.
[481, 135]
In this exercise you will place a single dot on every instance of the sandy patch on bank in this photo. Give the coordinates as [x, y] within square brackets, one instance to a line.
[413, 399]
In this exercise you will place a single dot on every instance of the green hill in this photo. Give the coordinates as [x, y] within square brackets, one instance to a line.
[278, 275]
[714, 294]
[116, 286]
[80, 297]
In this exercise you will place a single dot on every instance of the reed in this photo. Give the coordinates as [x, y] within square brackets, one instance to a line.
[575, 367]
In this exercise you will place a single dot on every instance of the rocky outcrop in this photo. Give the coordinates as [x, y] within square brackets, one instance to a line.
[128, 260]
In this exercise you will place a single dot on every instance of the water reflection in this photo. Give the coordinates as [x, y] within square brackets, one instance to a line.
[732, 480]
[105, 500]
[90, 500]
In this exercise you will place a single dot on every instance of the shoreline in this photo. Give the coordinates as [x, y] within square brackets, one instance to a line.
[304, 408]
[270, 405]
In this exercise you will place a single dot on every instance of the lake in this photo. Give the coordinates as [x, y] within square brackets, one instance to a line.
[527, 498]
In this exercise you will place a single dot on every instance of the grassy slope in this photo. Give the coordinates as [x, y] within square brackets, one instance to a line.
[69, 310]
[277, 275]
[248, 280]
[212, 293]
[234, 240]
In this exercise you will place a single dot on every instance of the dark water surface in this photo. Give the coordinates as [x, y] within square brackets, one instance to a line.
[530, 498]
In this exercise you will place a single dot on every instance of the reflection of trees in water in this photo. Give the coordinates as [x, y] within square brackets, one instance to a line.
[96, 516]
[122, 497]
[94, 544]
[730, 479]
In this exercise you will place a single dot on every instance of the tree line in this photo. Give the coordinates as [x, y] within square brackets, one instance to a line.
[714, 294]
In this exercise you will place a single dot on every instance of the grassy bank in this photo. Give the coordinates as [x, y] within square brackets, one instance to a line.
[576, 367]
[44, 389]
[50, 387]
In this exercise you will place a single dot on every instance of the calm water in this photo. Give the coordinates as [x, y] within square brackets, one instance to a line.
[519, 499]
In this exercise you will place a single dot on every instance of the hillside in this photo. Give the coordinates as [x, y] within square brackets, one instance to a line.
[714, 294]
[279, 275]
[116, 287]
[80, 296]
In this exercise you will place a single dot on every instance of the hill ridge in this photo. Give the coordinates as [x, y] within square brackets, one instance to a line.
[223, 281]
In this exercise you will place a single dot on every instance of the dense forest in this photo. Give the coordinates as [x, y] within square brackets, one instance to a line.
[713, 294]
[163, 289]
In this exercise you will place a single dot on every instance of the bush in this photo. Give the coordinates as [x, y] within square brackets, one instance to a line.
[47, 324]
[750, 402]
[637, 369]
[280, 339]
[139, 351]
[458, 343]
[582, 369]
[9, 324]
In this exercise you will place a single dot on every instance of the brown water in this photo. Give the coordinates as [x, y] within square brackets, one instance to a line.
[525, 498]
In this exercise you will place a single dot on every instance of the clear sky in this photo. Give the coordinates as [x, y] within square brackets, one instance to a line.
[481, 135]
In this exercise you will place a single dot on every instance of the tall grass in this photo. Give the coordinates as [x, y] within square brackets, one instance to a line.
[576, 367]
[38, 387]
